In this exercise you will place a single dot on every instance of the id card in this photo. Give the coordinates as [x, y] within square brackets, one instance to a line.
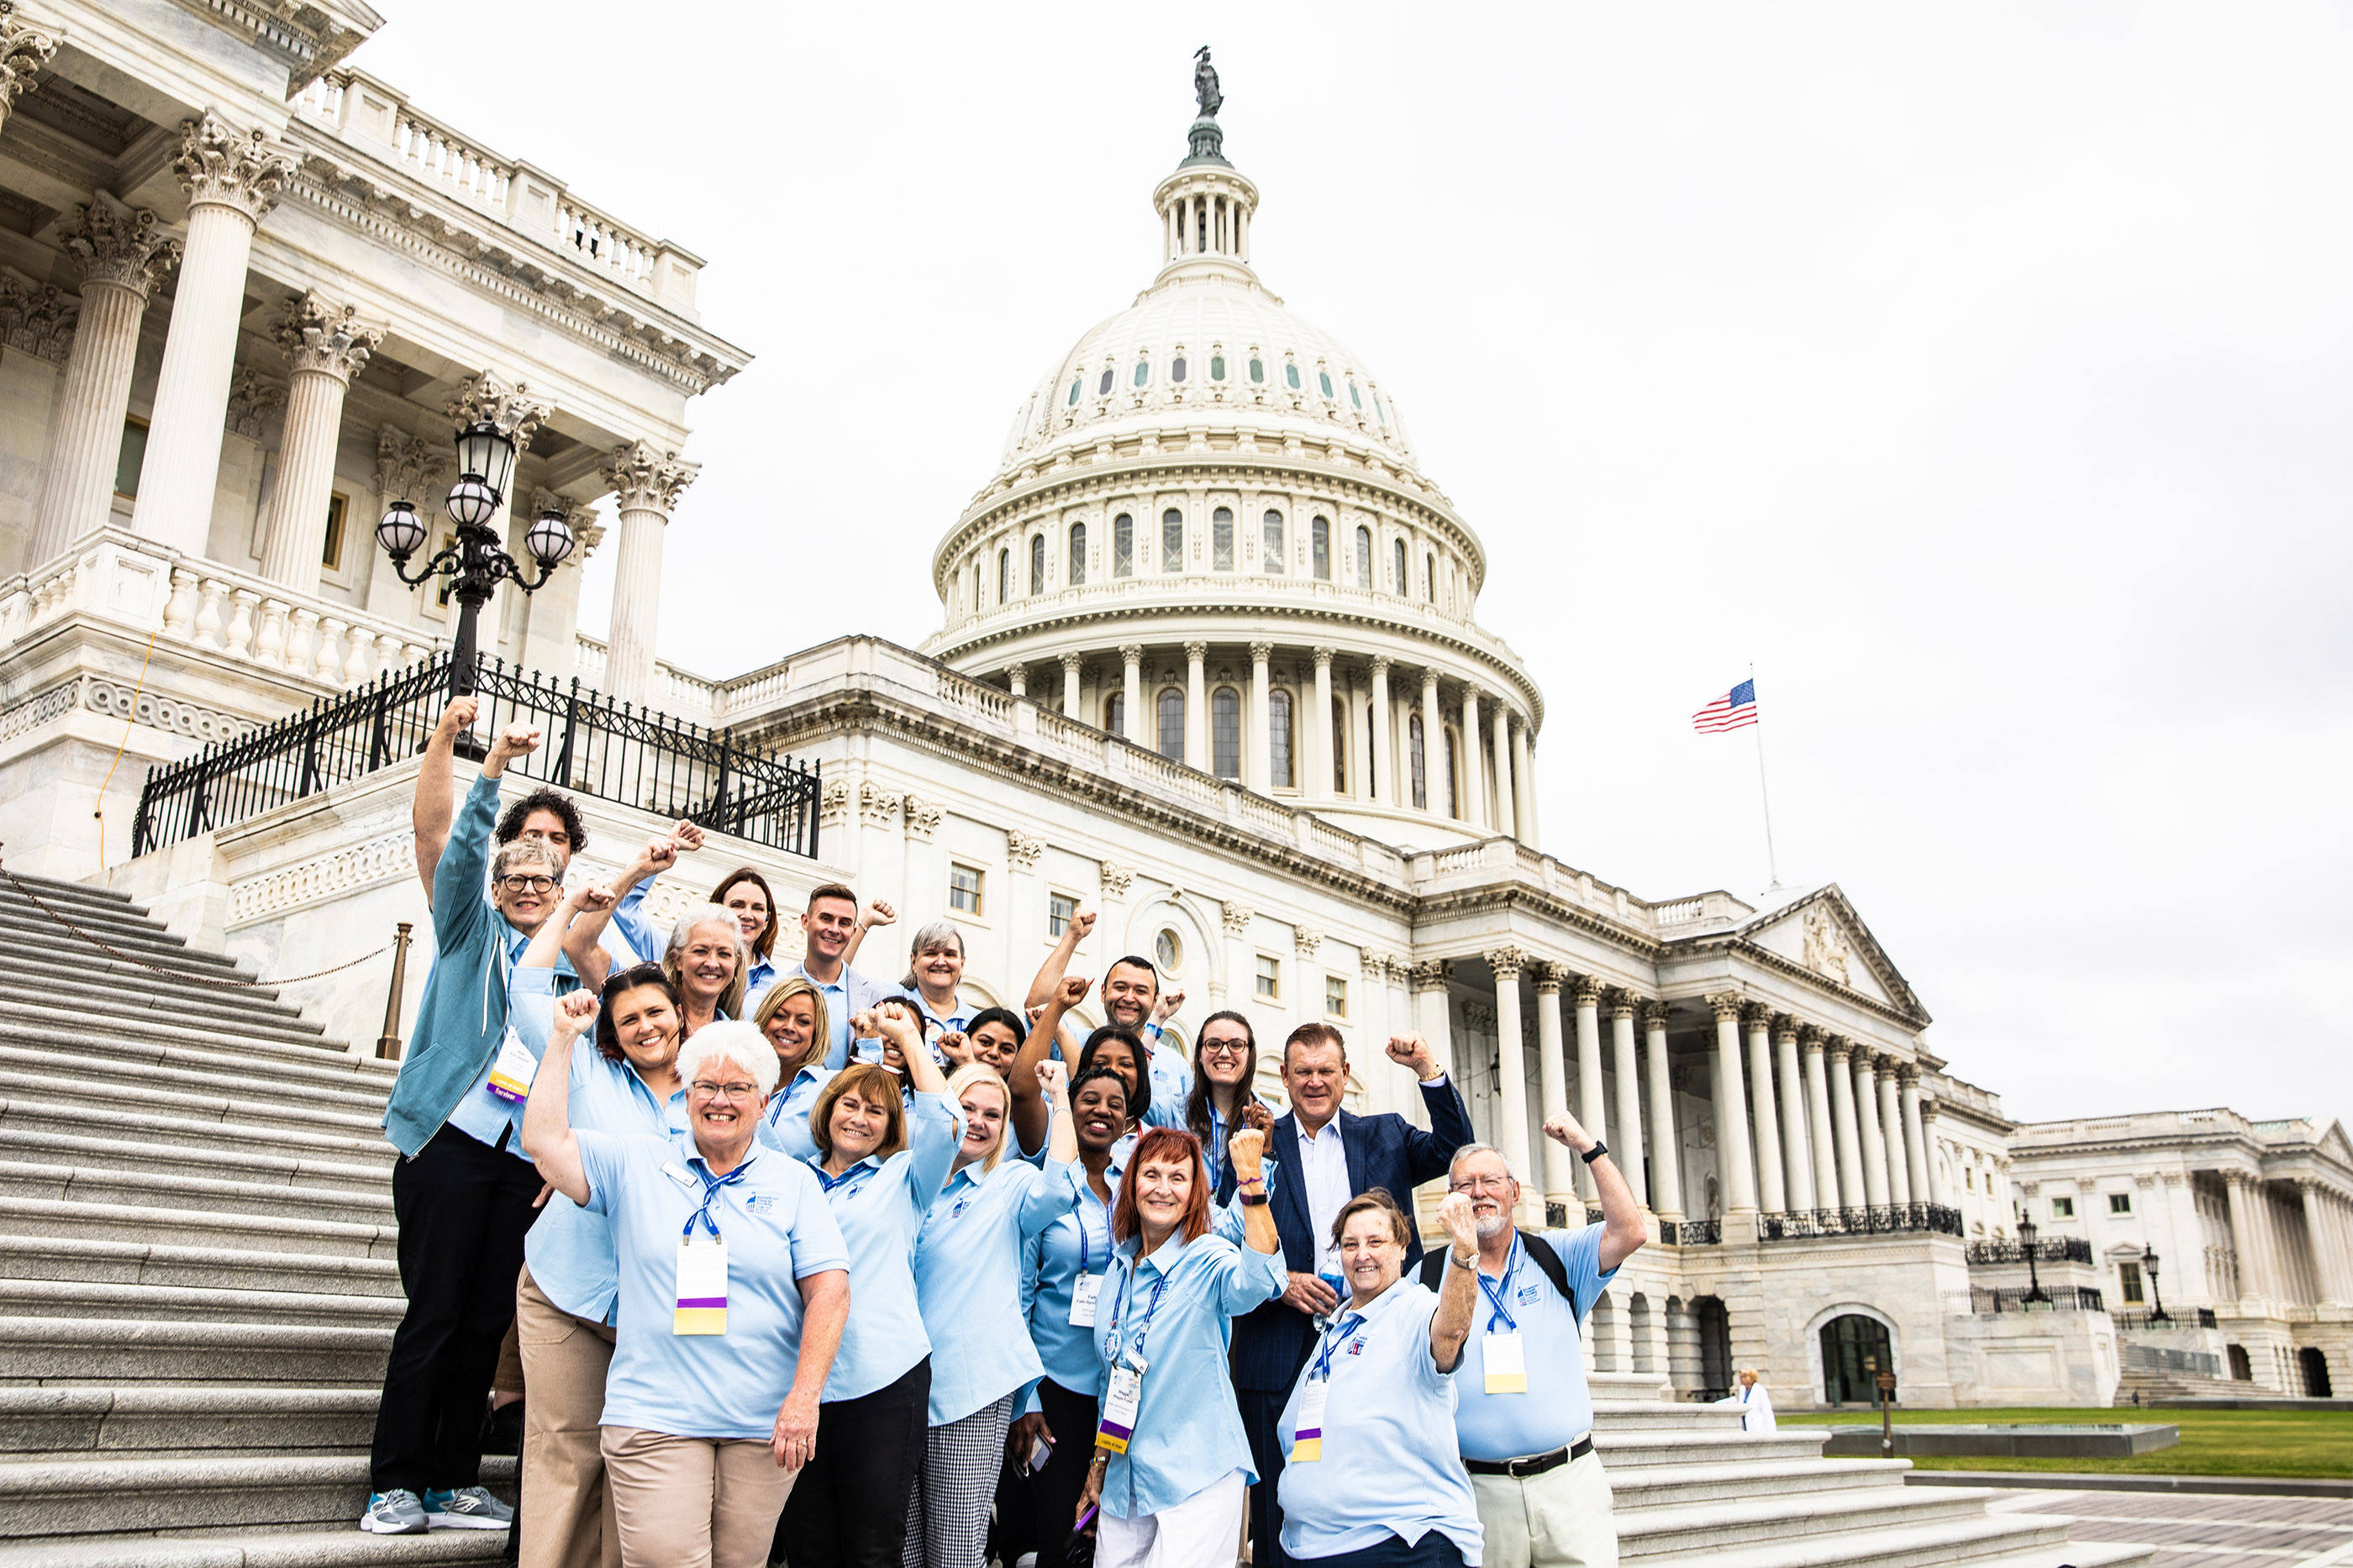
[1083, 1290]
[512, 1072]
[1505, 1356]
[702, 1286]
[1307, 1436]
[1122, 1395]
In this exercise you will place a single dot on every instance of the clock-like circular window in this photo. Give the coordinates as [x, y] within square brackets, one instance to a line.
[1168, 952]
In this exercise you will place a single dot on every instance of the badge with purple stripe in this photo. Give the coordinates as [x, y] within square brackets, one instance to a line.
[702, 1286]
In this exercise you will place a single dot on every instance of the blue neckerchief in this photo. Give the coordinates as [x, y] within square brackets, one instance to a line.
[860, 1171]
[711, 1186]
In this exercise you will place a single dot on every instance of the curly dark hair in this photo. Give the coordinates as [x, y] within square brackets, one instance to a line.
[510, 827]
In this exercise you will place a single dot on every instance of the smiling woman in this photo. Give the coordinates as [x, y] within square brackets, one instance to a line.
[706, 959]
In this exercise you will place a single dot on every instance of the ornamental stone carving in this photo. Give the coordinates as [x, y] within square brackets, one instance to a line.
[315, 335]
[391, 857]
[23, 52]
[922, 819]
[252, 399]
[1237, 917]
[1589, 991]
[1825, 949]
[1655, 1015]
[1726, 1006]
[833, 804]
[1624, 1004]
[410, 467]
[1375, 966]
[1431, 974]
[1550, 977]
[1305, 940]
[38, 318]
[1117, 879]
[876, 804]
[1196, 651]
[1261, 652]
[1839, 1047]
[124, 245]
[1131, 652]
[644, 479]
[1507, 963]
[1023, 849]
[511, 407]
[220, 166]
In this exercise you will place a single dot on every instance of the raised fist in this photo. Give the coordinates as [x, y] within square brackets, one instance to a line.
[517, 739]
[1461, 1225]
[1413, 1051]
[575, 1011]
[878, 913]
[1073, 991]
[1247, 1151]
[458, 716]
[1564, 1129]
[1052, 1076]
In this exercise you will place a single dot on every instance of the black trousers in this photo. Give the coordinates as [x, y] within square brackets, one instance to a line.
[1432, 1551]
[1055, 1489]
[463, 1209]
[848, 1509]
[1261, 1424]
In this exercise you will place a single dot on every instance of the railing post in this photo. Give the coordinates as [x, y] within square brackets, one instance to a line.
[310, 776]
[379, 731]
[197, 796]
[387, 1045]
[813, 802]
[719, 793]
[138, 818]
[563, 779]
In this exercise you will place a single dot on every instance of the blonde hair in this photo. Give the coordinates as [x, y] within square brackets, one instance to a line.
[981, 1073]
[775, 997]
[731, 1001]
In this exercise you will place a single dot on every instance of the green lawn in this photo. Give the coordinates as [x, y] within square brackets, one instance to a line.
[2213, 1442]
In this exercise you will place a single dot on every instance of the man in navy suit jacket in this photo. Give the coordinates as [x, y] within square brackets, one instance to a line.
[1315, 1176]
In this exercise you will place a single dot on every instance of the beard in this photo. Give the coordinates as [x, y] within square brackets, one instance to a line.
[1493, 1224]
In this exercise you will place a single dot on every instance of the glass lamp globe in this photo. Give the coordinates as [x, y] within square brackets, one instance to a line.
[550, 539]
[472, 502]
[401, 533]
[486, 453]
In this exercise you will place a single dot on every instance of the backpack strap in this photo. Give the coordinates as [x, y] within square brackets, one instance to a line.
[1547, 1261]
[1433, 1267]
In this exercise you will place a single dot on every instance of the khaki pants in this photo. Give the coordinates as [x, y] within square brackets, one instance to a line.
[567, 1514]
[695, 1503]
[1560, 1518]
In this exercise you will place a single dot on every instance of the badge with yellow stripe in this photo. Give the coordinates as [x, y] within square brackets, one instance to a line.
[702, 1287]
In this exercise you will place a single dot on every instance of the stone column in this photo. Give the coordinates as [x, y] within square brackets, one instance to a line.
[1818, 1105]
[1258, 735]
[1866, 1116]
[1474, 783]
[1433, 751]
[1506, 819]
[1316, 733]
[1140, 727]
[1917, 1155]
[233, 179]
[1891, 1122]
[2245, 1191]
[2323, 1231]
[1592, 1101]
[1935, 1182]
[1385, 787]
[1523, 785]
[123, 254]
[1070, 663]
[1760, 1094]
[1016, 680]
[645, 484]
[1793, 1115]
[1511, 1076]
[1429, 979]
[1628, 1127]
[1666, 1168]
[1552, 1062]
[1197, 707]
[325, 346]
[23, 52]
[1852, 1190]
[1731, 1110]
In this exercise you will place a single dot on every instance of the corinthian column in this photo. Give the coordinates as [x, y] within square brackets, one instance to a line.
[1917, 1155]
[1793, 1114]
[1866, 1115]
[23, 54]
[1628, 1127]
[1817, 1108]
[1474, 784]
[123, 255]
[1511, 1075]
[1523, 785]
[1385, 785]
[1258, 752]
[1316, 735]
[1760, 1094]
[1552, 1077]
[1592, 1105]
[1136, 725]
[646, 487]
[1739, 1171]
[1197, 707]
[1891, 1122]
[325, 347]
[1506, 820]
[1854, 1191]
[1071, 664]
[1433, 754]
[232, 178]
[1666, 1161]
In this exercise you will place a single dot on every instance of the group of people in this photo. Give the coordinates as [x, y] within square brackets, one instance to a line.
[795, 1267]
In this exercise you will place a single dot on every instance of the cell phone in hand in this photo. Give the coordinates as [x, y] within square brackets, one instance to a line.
[1040, 1451]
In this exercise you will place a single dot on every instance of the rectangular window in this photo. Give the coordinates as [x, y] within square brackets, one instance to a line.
[2120, 1203]
[1320, 549]
[1122, 546]
[2063, 1208]
[1172, 540]
[1221, 540]
[1269, 978]
[131, 459]
[1273, 553]
[332, 557]
[1060, 908]
[963, 889]
[2128, 1276]
[1336, 996]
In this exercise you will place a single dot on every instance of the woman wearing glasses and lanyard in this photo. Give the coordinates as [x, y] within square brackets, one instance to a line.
[734, 1287]
[1172, 1465]
[1370, 1474]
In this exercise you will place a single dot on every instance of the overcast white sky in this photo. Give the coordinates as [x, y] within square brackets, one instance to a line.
[1980, 374]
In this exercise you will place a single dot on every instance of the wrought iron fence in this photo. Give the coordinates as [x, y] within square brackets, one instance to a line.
[2047, 1249]
[1985, 1299]
[1691, 1231]
[2187, 1318]
[2165, 1358]
[590, 745]
[1877, 1219]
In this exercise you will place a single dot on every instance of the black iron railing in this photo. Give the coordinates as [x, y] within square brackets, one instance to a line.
[2047, 1249]
[2187, 1318]
[1691, 1231]
[1877, 1219]
[590, 745]
[2015, 1299]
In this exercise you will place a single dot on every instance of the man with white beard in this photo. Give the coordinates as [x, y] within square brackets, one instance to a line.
[1525, 1416]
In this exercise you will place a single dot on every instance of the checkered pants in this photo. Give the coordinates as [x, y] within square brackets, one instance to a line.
[955, 1480]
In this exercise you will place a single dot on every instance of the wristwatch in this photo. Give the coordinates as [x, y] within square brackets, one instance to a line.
[1598, 1149]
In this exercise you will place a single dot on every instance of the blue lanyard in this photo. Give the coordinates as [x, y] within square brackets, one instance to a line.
[1079, 1215]
[1142, 1325]
[1499, 1294]
[1332, 1338]
[711, 1186]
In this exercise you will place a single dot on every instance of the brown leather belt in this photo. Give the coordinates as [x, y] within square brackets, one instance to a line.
[1536, 1464]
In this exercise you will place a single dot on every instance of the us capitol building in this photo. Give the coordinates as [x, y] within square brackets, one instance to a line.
[1209, 662]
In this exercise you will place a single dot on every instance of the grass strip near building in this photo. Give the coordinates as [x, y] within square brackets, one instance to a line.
[2291, 1442]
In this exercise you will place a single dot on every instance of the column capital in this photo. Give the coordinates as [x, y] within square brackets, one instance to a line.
[1380, 663]
[1323, 658]
[1726, 1006]
[1624, 1004]
[1839, 1048]
[510, 406]
[114, 244]
[1587, 991]
[1549, 978]
[1305, 940]
[1234, 916]
[922, 817]
[1428, 678]
[410, 466]
[1811, 1036]
[1117, 879]
[1506, 962]
[23, 52]
[1784, 1027]
[645, 480]
[1907, 1074]
[1131, 652]
[1197, 651]
[220, 166]
[1070, 663]
[1375, 965]
[1023, 849]
[1655, 1015]
[318, 336]
[1261, 652]
[1757, 1016]
[1431, 974]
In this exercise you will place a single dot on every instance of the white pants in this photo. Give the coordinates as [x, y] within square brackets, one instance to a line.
[1205, 1530]
[1560, 1518]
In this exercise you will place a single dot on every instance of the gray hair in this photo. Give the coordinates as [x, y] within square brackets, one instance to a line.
[935, 934]
[1468, 1149]
[528, 852]
[731, 1001]
[734, 1041]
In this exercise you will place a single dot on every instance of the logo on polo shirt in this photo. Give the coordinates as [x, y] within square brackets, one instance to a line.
[1529, 1293]
[761, 1203]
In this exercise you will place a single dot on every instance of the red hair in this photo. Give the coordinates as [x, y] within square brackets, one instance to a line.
[1161, 1145]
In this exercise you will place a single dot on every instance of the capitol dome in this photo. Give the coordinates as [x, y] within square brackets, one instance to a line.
[1208, 528]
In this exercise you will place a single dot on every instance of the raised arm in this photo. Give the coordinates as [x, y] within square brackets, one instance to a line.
[589, 961]
[1429, 1152]
[1048, 980]
[1247, 1151]
[548, 1135]
[436, 789]
[549, 939]
[1621, 1217]
[1053, 1080]
[1029, 1109]
[878, 913]
[1459, 1295]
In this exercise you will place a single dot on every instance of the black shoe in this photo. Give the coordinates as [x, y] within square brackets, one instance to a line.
[502, 1429]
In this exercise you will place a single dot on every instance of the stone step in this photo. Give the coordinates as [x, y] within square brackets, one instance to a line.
[362, 1121]
[1653, 1449]
[22, 925]
[358, 1142]
[100, 1183]
[122, 1037]
[1758, 1520]
[1981, 1539]
[47, 886]
[89, 1496]
[227, 1016]
[82, 1299]
[274, 1068]
[139, 990]
[99, 1261]
[299, 1548]
[1623, 1416]
[281, 1092]
[209, 1232]
[151, 1158]
[101, 1352]
[94, 1422]
[1666, 1486]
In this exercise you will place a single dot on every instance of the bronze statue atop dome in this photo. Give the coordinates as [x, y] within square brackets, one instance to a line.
[1205, 83]
[1207, 141]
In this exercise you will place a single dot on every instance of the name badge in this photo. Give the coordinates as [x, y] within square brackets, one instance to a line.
[702, 1286]
[1083, 1290]
[512, 1072]
[1307, 1434]
[677, 1173]
[1123, 1394]
[1505, 1356]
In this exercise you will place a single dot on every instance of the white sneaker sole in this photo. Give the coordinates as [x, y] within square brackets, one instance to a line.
[373, 1526]
[464, 1522]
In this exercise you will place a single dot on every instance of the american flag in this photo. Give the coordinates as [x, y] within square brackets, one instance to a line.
[1736, 709]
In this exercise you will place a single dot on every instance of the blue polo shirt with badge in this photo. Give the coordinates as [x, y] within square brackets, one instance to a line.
[1557, 1409]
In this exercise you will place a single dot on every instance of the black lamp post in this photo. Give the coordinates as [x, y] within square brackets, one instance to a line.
[475, 564]
[2157, 1314]
[2033, 1278]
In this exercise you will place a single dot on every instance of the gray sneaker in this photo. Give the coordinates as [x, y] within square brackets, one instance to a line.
[396, 1513]
[468, 1508]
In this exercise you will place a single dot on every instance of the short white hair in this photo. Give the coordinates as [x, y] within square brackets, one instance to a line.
[1467, 1150]
[731, 1040]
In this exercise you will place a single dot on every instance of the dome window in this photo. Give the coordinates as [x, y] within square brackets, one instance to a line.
[1258, 369]
[1272, 553]
[1221, 540]
[1353, 398]
[1172, 540]
[1037, 563]
[1104, 390]
[1078, 556]
[1143, 372]
[1364, 556]
[1319, 536]
[1075, 385]
[1290, 374]
[1278, 738]
[1380, 412]
[1404, 583]
[1417, 754]
[1169, 723]
[1216, 367]
[1177, 368]
[1115, 713]
[1122, 546]
[1325, 376]
[1226, 733]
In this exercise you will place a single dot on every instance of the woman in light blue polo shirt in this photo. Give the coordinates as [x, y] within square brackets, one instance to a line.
[881, 1158]
[968, 1283]
[734, 1285]
[1171, 1465]
[1370, 1473]
[792, 1015]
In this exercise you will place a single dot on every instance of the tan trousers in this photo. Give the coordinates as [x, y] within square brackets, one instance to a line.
[695, 1503]
[1558, 1520]
[567, 1512]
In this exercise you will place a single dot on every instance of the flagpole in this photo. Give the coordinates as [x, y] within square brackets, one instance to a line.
[1772, 864]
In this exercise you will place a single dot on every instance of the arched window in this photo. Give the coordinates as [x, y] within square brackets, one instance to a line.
[1177, 368]
[1364, 556]
[1278, 738]
[1172, 723]
[1453, 798]
[1417, 754]
[1105, 389]
[1358, 402]
[1319, 548]
[1271, 545]
[1221, 540]
[1037, 563]
[1172, 540]
[1115, 713]
[1143, 372]
[1847, 1343]
[1122, 546]
[1290, 374]
[1339, 749]
[1078, 573]
[1074, 391]
[1216, 367]
[1004, 576]
[1226, 733]
[1429, 578]
[1324, 377]
[1258, 368]
[1397, 560]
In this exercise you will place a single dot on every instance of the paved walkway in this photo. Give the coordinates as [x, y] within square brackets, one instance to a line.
[2210, 1531]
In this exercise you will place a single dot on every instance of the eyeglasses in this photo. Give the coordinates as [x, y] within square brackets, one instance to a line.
[1474, 1184]
[520, 883]
[726, 1090]
[1225, 1047]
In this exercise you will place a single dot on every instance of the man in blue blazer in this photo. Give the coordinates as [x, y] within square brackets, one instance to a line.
[1324, 1156]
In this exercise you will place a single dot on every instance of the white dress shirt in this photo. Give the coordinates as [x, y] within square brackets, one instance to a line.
[1324, 1168]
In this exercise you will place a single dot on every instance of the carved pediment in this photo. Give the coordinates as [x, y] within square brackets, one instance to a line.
[1822, 935]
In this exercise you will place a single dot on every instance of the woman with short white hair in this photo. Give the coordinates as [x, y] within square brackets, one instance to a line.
[734, 1287]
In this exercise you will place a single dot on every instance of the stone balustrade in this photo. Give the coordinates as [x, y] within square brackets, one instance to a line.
[676, 692]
